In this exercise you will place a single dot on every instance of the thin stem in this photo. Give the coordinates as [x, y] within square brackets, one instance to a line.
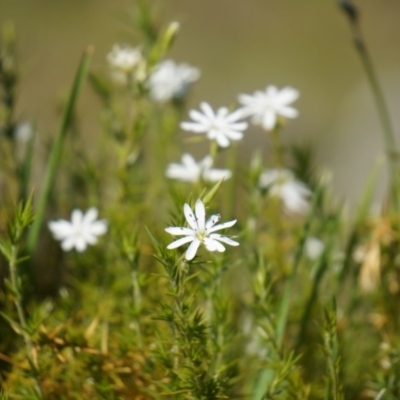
[287, 294]
[379, 99]
[277, 148]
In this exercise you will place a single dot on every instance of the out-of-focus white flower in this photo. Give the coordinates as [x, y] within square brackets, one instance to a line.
[191, 171]
[220, 126]
[200, 231]
[24, 131]
[80, 232]
[264, 107]
[171, 80]
[282, 183]
[314, 248]
[124, 60]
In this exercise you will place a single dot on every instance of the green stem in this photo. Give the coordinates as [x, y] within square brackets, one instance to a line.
[56, 150]
[277, 148]
[287, 294]
[381, 107]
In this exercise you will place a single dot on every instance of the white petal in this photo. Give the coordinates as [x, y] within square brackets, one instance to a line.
[212, 221]
[206, 163]
[288, 112]
[183, 173]
[235, 116]
[80, 244]
[90, 216]
[207, 109]
[222, 113]
[222, 226]
[238, 126]
[193, 127]
[213, 245]
[233, 134]
[198, 116]
[224, 239]
[192, 250]
[215, 175]
[188, 160]
[221, 139]
[180, 242]
[178, 231]
[269, 120]
[68, 244]
[200, 215]
[76, 217]
[98, 228]
[190, 218]
[271, 91]
[60, 229]
[91, 239]
[288, 95]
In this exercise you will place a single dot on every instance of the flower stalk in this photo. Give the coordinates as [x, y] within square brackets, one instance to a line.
[380, 103]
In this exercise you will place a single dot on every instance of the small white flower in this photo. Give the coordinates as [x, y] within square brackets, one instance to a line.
[80, 232]
[124, 58]
[171, 81]
[200, 231]
[126, 63]
[191, 171]
[314, 247]
[220, 126]
[293, 193]
[24, 131]
[264, 107]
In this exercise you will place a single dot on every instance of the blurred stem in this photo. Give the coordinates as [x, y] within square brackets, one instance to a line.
[285, 302]
[277, 148]
[25, 169]
[213, 150]
[322, 267]
[380, 103]
[56, 150]
[137, 304]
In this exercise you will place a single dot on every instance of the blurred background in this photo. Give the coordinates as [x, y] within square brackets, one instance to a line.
[240, 46]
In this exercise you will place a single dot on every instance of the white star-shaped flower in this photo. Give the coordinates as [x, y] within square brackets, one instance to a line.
[171, 80]
[191, 171]
[80, 232]
[264, 107]
[200, 231]
[293, 193]
[220, 126]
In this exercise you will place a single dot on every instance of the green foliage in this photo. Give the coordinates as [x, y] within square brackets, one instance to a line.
[129, 318]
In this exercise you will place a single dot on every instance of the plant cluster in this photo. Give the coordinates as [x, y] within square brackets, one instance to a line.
[130, 275]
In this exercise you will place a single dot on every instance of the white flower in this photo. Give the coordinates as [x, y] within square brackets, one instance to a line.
[220, 126]
[293, 193]
[191, 171]
[314, 248]
[80, 232]
[200, 231]
[264, 107]
[171, 81]
[24, 131]
[126, 63]
[124, 58]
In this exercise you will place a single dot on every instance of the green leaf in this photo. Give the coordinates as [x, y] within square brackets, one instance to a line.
[56, 150]
[14, 325]
[212, 193]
